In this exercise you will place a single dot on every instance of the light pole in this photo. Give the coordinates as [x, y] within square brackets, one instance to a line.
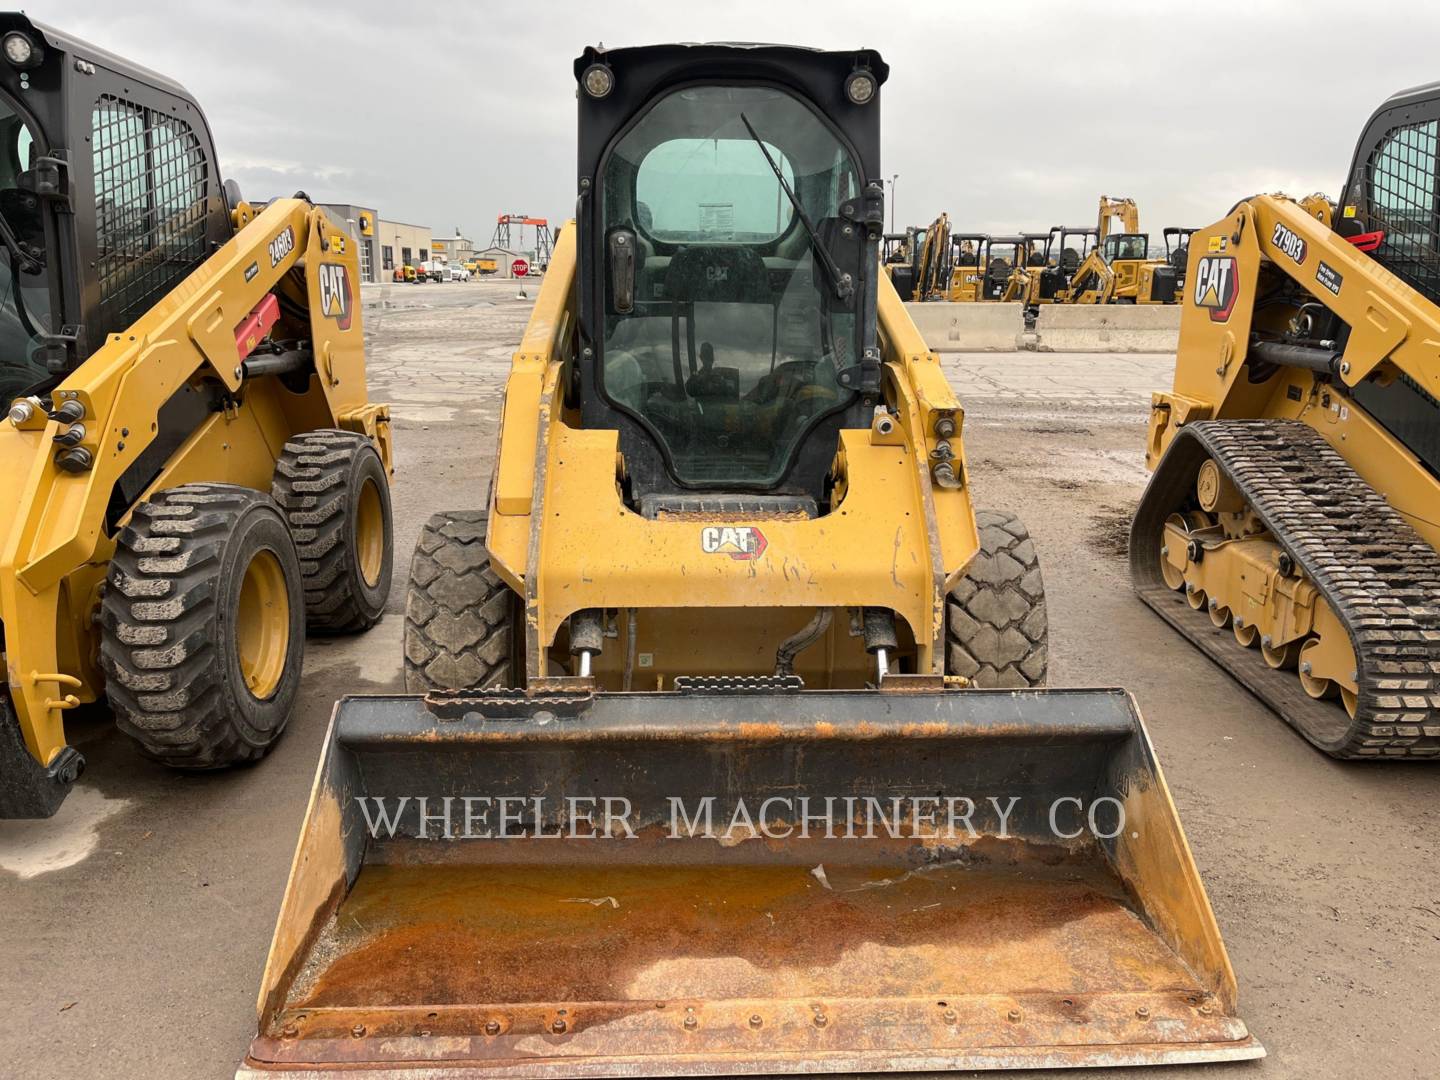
[892, 201]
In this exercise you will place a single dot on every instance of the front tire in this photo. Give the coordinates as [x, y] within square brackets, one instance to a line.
[203, 626]
[997, 632]
[461, 619]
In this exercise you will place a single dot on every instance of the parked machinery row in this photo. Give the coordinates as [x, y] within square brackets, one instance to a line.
[1104, 264]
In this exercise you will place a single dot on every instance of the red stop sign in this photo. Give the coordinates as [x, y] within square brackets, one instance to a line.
[520, 268]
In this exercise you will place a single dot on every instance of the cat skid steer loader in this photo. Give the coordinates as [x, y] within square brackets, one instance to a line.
[190, 470]
[728, 604]
[1291, 529]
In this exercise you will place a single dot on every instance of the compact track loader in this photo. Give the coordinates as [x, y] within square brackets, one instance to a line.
[728, 605]
[1292, 524]
[190, 469]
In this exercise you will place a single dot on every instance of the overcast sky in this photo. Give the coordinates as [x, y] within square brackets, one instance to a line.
[1012, 115]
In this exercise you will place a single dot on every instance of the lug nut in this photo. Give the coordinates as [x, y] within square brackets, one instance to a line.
[358, 1031]
[492, 1027]
[691, 1022]
[1143, 1012]
[1013, 1016]
[558, 1027]
[756, 1021]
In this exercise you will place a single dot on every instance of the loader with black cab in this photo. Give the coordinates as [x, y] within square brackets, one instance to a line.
[1292, 524]
[191, 471]
[726, 751]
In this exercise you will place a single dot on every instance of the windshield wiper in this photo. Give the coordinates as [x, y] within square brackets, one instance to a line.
[841, 284]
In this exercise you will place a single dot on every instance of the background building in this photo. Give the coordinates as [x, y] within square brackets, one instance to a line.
[361, 223]
[455, 249]
[503, 258]
[401, 243]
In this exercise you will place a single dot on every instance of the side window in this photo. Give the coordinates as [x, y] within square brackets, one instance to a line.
[151, 185]
[1401, 202]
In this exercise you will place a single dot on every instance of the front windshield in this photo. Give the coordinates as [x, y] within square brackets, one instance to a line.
[24, 291]
[1127, 246]
[734, 341]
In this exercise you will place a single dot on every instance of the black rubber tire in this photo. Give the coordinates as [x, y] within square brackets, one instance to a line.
[461, 619]
[318, 481]
[996, 629]
[167, 643]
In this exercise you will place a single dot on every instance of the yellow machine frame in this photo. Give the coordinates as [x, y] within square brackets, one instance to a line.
[54, 550]
[593, 552]
[1393, 331]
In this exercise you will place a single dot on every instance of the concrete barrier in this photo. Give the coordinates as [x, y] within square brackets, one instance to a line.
[1107, 328]
[981, 327]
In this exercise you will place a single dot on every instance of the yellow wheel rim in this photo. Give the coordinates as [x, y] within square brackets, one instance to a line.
[262, 624]
[370, 533]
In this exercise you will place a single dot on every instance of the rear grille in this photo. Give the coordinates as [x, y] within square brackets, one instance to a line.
[1401, 186]
[151, 185]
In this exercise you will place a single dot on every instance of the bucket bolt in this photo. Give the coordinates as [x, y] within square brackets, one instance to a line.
[880, 639]
[756, 1020]
[587, 636]
[492, 1027]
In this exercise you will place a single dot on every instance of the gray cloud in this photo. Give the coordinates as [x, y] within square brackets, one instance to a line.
[1007, 116]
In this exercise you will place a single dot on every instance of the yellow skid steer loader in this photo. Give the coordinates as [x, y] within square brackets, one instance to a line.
[190, 471]
[726, 754]
[1291, 529]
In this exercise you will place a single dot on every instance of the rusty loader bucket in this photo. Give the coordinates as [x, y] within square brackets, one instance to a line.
[725, 880]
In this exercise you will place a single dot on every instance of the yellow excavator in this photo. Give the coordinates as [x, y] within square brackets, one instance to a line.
[971, 252]
[192, 473]
[726, 605]
[1292, 524]
[1119, 269]
[934, 255]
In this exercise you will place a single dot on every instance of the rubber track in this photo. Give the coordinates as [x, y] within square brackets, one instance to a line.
[1379, 576]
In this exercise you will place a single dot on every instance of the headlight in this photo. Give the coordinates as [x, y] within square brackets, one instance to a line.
[21, 51]
[598, 80]
[860, 86]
